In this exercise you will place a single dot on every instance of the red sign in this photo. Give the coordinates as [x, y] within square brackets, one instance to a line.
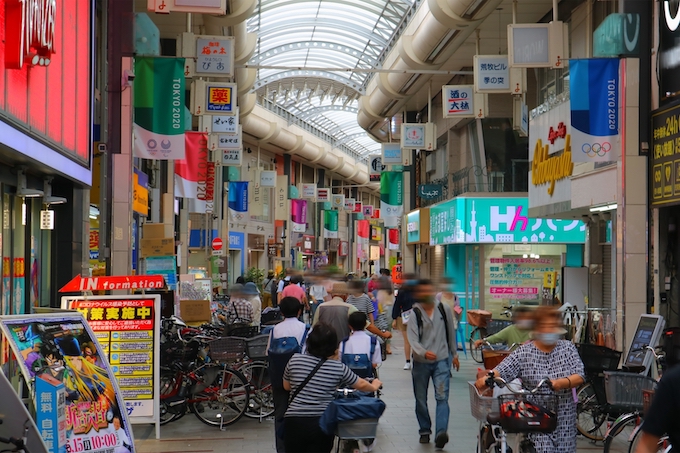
[217, 244]
[554, 134]
[114, 283]
[118, 315]
[397, 276]
[52, 101]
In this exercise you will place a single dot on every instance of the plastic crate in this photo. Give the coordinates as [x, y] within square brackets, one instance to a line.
[481, 406]
[597, 359]
[625, 389]
[256, 347]
[478, 318]
[365, 428]
[492, 358]
[228, 349]
[528, 413]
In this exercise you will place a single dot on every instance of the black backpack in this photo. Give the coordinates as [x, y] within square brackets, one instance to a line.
[419, 321]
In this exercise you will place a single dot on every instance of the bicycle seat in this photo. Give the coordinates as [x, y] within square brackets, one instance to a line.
[494, 418]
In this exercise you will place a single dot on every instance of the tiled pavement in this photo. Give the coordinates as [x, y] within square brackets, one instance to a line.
[397, 432]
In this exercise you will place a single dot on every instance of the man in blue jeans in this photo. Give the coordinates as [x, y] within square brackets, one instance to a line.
[432, 336]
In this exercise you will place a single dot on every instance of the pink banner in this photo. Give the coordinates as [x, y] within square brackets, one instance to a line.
[298, 215]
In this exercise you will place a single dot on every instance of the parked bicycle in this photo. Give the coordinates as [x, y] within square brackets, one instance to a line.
[484, 326]
[521, 411]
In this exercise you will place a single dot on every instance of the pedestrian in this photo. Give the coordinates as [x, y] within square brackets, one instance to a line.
[317, 294]
[433, 340]
[519, 332]
[360, 351]
[385, 295]
[313, 379]
[360, 299]
[252, 295]
[239, 311]
[548, 356]
[294, 289]
[401, 312]
[267, 287]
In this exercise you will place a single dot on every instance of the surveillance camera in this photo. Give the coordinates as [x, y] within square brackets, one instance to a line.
[128, 78]
[130, 74]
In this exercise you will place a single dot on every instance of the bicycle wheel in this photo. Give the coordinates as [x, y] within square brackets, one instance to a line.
[591, 418]
[476, 353]
[224, 402]
[168, 383]
[662, 446]
[261, 402]
[621, 433]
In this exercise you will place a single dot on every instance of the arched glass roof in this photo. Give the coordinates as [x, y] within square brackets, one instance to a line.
[323, 36]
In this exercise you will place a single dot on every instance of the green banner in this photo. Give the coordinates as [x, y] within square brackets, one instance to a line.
[330, 224]
[159, 108]
[391, 194]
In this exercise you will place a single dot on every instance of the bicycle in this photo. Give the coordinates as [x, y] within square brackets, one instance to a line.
[484, 326]
[256, 370]
[359, 433]
[521, 412]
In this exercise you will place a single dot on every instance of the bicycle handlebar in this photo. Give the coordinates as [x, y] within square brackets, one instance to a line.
[492, 380]
[647, 347]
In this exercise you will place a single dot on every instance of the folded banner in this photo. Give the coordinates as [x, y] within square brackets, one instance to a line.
[298, 215]
[238, 200]
[159, 108]
[363, 230]
[393, 235]
[594, 110]
[191, 173]
[391, 195]
[330, 224]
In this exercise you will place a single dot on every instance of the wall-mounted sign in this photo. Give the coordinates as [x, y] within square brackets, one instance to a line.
[217, 7]
[669, 49]
[418, 136]
[536, 45]
[418, 226]
[429, 191]
[224, 124]
[367, 210]
[268, 178]
[323, 195]
[47, 220]
[375, 167]
[492, 73]
[460, 101]
[358, 207]
[29, 35]
[338, 201]
[212, 98]
[227, 141]
[665, 162]
[617, 35]
[391, 154]
[349, 204]
[215, 56]
[309, 191]
[232, 157]
[140, 192]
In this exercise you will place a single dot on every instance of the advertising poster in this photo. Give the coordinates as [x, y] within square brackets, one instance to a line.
[63, 349]
[298, 215]
[127, 330]
[330, 224]
[391, 194]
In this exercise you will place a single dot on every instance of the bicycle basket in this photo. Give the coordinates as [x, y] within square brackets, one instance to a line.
[243, 331]
[625, 389]
[597, 359]
[492, 358]
[256, 347]
[480, 405]
[478, 318]
[647, 397]
[228, 349]
[528, 413]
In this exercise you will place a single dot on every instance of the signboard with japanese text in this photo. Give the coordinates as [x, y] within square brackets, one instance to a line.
[281, 205]
[490, 220]
[224, 124]
[64, 349]
[513, 277]
[268, 178]
[665, 156]
[458, 101]
[491, 73]
[309, 191]
[418, 136]
[391, 154]
[213, 98]
[338, 201]
[323, 195]
[214, 56]
[50, 413]
[128, 330]
[232, 157]
[227, 141]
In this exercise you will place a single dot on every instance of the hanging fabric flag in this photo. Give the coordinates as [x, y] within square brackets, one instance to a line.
[393, 236]
[330, 224]
[391, 196]
[192, 172]
[298, 215]
[238, 200]
[159, 108]
[368, 210]
[363, 230]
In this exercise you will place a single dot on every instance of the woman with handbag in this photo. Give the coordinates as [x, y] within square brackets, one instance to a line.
[312, 379]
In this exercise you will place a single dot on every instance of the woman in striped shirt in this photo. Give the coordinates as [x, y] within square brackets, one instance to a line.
[309, 401]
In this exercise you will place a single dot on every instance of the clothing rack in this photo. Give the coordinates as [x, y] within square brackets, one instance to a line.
[596, 325]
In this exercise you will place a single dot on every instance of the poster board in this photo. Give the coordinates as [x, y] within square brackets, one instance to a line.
[128, 330]
[20, 422]
[54, 345]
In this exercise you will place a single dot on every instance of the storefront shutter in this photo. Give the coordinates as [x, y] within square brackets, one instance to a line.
[607, 288]
[437, 262]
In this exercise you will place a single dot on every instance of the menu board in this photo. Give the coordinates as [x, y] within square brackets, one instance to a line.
[127, 328]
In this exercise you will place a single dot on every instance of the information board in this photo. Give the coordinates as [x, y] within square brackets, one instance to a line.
[128, 330]
[665, 155]
[648, 332]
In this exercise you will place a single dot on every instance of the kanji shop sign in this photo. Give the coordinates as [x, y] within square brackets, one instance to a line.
[224, 124]
[114, 283]
[213, 98]
[30, 32]
[215, 56]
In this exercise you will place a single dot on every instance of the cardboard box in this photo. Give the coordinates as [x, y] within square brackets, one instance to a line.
[157, 231]
[157, 247]
[195, 311]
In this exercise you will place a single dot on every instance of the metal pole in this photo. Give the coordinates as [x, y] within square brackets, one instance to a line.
[555, 2]
[514, 11]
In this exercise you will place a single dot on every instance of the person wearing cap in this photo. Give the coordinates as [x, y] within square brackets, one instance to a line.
[252, 295]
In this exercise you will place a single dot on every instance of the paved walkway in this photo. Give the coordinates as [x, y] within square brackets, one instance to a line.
[397, 432]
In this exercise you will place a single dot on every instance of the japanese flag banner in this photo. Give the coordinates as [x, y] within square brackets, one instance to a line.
[159, 108]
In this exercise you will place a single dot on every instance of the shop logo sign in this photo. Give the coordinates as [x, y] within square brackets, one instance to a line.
[672, 21]
[30, 32]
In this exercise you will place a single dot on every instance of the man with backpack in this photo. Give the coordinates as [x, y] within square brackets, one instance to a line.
[287, 338]
[360, 352]
[433, 341]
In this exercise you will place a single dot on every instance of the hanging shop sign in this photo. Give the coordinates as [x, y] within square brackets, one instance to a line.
[214, 56]
[492, 73]
[376, 233]
[498, 220]
[268, 178]
[358, 207]
[338, 201]
[391, 154]
[419, 136]
[216, 7]
[68, 353]
[330, 224]
[47, 219]
[350, 204]
[665, 160]
[595, 110]
[212, 98]
[323, 195]
[392, 194]
[223, 124]
[418, 226]
[110, 283]
[429, 191]
[309, 191]
[536, 45]
[375, 166]
[308, 245]
[618, 35]
[344, 248]
[140, 192]
[367, 210]
[460, 101]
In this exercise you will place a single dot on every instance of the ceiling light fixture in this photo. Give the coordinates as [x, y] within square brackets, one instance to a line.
[48, 198]
[22, 190]
[603, 208]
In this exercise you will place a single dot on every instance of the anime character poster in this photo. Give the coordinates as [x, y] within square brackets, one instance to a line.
[57, 346]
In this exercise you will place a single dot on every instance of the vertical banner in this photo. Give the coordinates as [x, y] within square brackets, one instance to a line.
[393, 236]
[595, 110]
[363, 231]
[159, 108]
[298, 215]
[238, 200]
[281, 205]
[330, 224]
[193, 169]
[367, 210]
[358, 207]
[391, 194]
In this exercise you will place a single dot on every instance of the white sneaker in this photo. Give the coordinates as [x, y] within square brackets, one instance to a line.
[407, 366]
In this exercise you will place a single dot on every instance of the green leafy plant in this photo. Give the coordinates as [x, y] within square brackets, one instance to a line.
[256, 276]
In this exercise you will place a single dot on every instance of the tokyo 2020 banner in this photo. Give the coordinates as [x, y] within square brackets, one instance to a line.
[594, 98]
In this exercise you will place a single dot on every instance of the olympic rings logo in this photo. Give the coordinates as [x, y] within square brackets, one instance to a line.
[596, 149]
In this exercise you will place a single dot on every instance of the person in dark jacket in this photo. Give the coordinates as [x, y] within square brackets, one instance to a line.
[401, 311]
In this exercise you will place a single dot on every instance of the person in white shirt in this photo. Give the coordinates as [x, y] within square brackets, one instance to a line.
[361, 343]
[252, 294]
[318, 294]
[124, 445]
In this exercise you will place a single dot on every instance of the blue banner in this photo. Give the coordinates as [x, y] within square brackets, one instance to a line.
[238, 200]
[594, 95]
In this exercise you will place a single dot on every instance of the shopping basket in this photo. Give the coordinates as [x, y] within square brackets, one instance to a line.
[624, 390]
[478, 318]
[492, 357]
[535, 413]
[227, 349]
[481, 405]
[256, 347]
[597, 359]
